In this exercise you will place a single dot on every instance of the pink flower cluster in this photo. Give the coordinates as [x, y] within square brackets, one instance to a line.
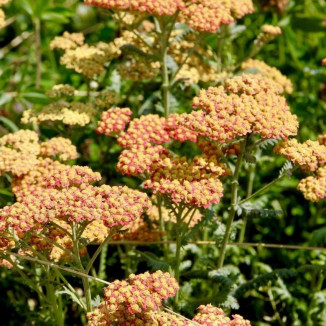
[113, 121]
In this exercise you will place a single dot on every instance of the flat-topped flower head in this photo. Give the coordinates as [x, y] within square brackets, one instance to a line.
[67, 41]
[61, 90]
[309, 155]
[154, 7]
[113, 121]
[74, 113]
[59, 147]
[209, 15]
[194, 183]
[144, 131]
[18, 152]
[314, 187]
[269, 72]
[212, 316]
[53, 190]
[141, 159]
[177, 131]
[245, 104]
[86, 60]
[140, 293]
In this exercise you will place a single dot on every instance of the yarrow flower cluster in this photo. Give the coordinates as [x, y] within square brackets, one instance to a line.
[60, 147]
[61, 90]
[309, 155]
[127, 301]
[113, 121]
[136, 301]
[18, 152]
[74, 113]
[212, 316]
[67, 41]
[194, 183]
[142, 292]
[269, 72]
[142, 142]
[245, 104]
[202, 15]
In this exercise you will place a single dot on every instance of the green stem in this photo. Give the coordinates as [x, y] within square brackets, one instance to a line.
[162, 226]
[234, 202]
[251, 178]
[86, 285]
[179, 236]
[263, 189]
[165, 75]
[55, 305]
[99, 249]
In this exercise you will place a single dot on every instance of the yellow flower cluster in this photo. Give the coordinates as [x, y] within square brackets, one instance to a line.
[212, 316]
[59, 147]
[154, 7]
[309, 155]
[18, 152]
[61, 90]
[106, 99]
[272, 30]
[67, 41]
[314, 187]
[131, 302]
[206, 15]
[194, 183]
[74, 113]
[21, 152]
[140, 159]
[245, 104]
[202, 15]
[144, 131]
[113, 121]
[269, 72]
[209, 15]
[86, 60]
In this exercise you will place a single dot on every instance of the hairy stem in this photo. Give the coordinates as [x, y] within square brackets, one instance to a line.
[234, 202]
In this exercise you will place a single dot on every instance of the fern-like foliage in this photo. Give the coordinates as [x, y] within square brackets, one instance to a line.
[286, 169]
[185, 32]
[267, 143]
